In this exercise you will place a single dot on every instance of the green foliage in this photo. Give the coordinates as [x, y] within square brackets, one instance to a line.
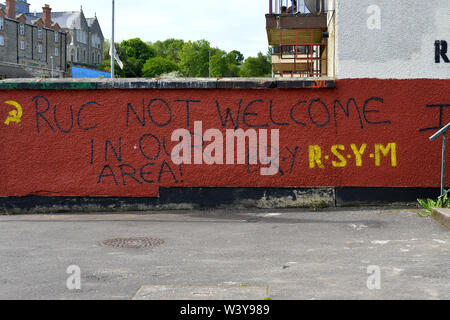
[219, 64]
[256, 67]
[234, 61]
[138, 49]
[442, 202]
[226, 65]
[134, 54]
[154, 67]
[194, 59]
[168, 49]
[179, 58]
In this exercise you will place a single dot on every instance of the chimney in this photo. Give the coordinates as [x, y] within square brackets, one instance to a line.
[47, 15]
[11, 9]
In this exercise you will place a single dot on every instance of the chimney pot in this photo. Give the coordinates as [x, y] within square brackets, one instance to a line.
[11, 9]
[47, 15]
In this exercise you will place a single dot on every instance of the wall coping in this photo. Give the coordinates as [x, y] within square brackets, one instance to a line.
[166, 83]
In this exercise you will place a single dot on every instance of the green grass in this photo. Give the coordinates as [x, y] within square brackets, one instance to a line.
[442, 202]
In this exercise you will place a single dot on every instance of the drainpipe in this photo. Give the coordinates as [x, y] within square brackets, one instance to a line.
[17, 41]
[51, 58]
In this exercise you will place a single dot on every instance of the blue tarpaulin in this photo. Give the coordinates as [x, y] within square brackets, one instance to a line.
[78, 72]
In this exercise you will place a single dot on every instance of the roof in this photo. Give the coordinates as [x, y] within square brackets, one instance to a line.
[90, 21]
[66, 19]
[30, 18]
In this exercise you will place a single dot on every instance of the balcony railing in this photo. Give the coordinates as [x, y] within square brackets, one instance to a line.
[301, 59]
[291, 7]
[286, 49]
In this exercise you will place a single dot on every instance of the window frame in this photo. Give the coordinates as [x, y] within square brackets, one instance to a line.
[22, 29]
[22, 45]
[40, 48]
[39, 33]
[2, 40]
[2, 23]
[56, 36]
[56, 52]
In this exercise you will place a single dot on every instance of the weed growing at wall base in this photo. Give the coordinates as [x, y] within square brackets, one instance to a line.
[442, 202]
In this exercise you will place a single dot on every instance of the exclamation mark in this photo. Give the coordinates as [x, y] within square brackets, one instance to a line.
[92, 152]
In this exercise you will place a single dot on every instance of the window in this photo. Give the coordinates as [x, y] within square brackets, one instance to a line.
[1, 23]
[56, 36]
[81, 36]
[96, 41]
[22, 29]
[22, 45]
[40, 48]
[2, 40]
[56, 52]
[39, 33]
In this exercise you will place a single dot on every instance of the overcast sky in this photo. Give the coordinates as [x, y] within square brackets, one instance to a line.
[227, 24]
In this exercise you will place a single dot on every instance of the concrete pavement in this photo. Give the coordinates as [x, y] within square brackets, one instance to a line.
[292, 254]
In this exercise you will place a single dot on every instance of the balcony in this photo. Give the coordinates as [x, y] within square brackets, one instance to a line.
[291, 7]
[299, 39]
[286, 15]
[300, 60]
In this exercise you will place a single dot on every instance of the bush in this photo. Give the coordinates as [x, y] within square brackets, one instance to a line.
[155, 67]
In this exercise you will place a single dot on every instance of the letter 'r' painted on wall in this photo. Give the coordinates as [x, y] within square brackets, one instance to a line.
[441, 48]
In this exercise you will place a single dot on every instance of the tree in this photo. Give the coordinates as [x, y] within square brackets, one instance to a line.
[219, 65]
[157, 66]
[168, 49]
[134, 54]
[226, 64]
[188, 59]
[256, 67]
[194, 59]
[234, 62]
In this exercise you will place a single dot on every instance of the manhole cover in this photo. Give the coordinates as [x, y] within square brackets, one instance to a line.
[132, 243]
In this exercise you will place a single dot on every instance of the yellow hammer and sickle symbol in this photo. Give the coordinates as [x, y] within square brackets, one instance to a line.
[14, 115]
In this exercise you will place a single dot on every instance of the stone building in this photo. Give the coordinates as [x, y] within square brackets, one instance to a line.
[35, 44]
[85, 37]
[41, 42]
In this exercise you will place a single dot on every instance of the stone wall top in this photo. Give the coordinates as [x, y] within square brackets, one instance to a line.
[184, 83]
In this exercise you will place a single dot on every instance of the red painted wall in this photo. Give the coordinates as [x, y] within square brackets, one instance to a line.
[58, 147]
